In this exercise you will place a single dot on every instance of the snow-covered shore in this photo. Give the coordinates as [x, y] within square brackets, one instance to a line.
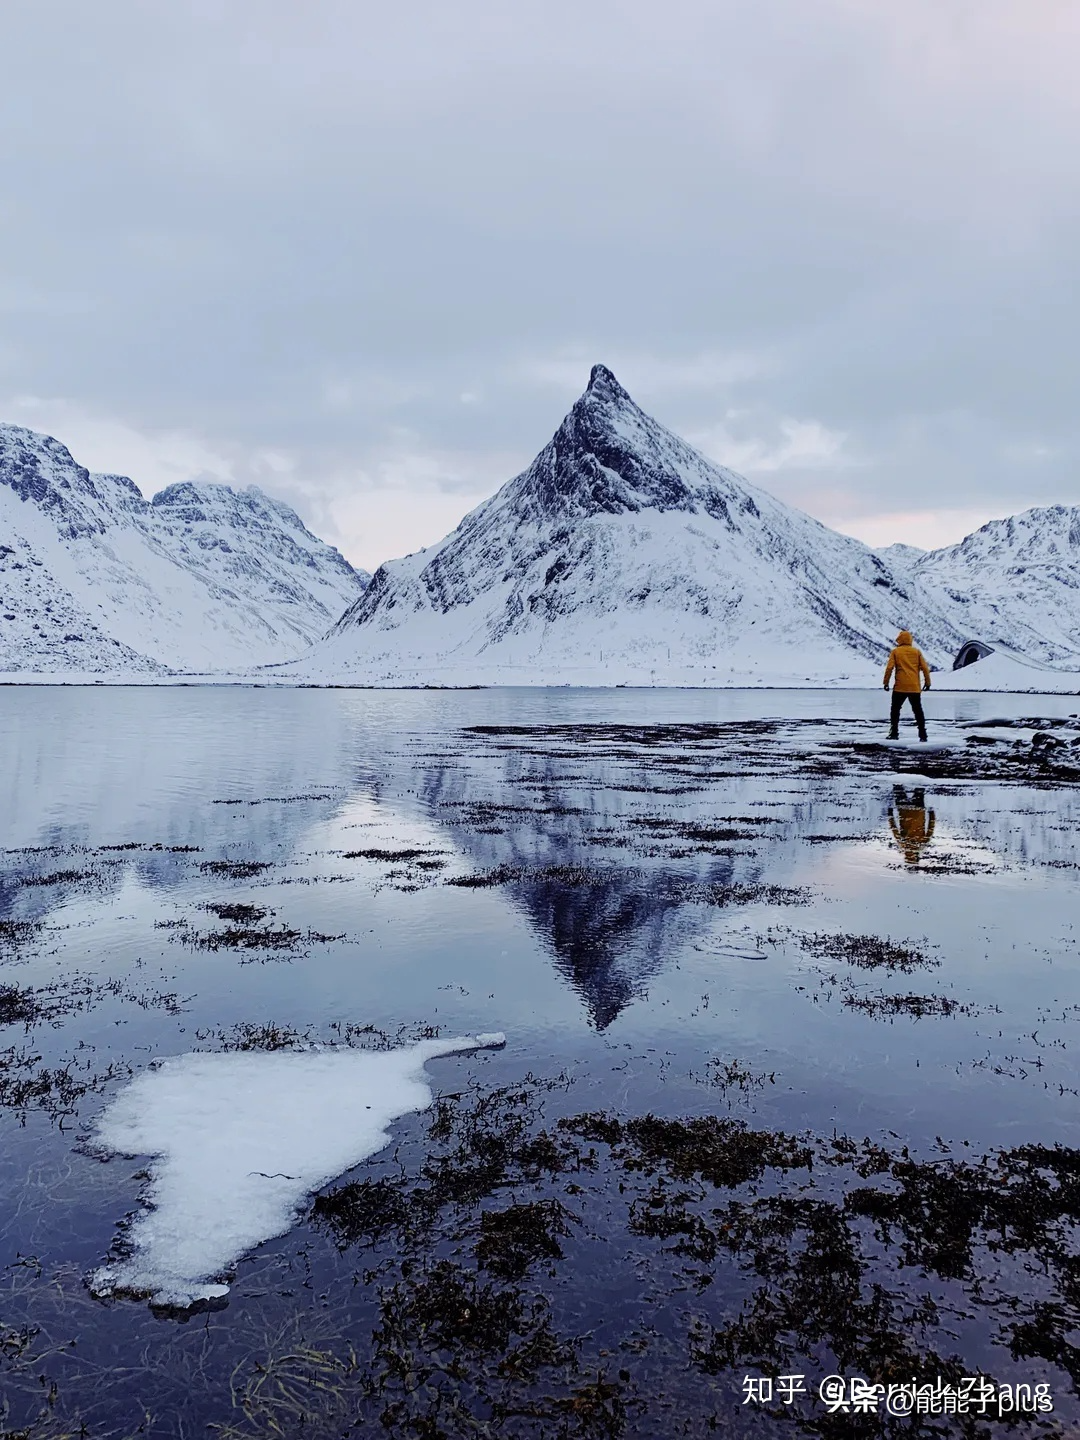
[998, 674]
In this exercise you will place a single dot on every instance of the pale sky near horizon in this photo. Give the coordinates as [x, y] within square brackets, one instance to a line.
[364, 255]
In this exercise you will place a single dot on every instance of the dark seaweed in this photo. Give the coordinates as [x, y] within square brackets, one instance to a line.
[867, 952]
[235, 869]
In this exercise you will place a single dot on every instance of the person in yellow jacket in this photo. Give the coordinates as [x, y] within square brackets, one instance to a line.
[909, 665]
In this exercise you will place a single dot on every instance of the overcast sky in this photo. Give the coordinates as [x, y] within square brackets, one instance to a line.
[364, 254]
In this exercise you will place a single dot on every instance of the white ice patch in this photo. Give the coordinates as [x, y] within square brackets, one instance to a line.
[240, 1140]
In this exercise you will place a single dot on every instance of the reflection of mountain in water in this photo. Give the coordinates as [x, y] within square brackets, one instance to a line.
[612, 896]
[613, 846]
[612, 856]
[607, 937]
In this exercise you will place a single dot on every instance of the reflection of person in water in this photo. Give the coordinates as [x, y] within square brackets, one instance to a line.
[911, 823]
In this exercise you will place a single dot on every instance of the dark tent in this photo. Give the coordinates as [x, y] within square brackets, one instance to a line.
[969, 652]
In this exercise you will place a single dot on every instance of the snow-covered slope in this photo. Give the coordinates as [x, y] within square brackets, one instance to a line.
[93, 577]
[1004, 670]
[901, 557]
[1015, 582]
[621, 554]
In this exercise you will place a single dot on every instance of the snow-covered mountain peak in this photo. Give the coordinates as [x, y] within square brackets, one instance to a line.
[1016, 582]
[899, 555]
[122, 491]
[212, 502]
[620, 544]
[216, 516]
[609, 457]
[93, 576]
[42, 472]
[602, 382]
[212, 499]
[1048, 534]
[25, 451]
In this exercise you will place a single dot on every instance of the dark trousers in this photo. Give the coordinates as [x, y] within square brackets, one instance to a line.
[898, 698]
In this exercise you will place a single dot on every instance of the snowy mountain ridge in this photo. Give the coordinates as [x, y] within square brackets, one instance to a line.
[1015, 582]
[620, 555]
[94, 577]
[622, 551]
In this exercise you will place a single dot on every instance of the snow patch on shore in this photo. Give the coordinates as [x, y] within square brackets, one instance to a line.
[1010, 673]
[240, 1140]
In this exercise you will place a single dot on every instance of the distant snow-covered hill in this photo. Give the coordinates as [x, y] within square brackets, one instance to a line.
[623, 554]
[1015, 582]
[900, 556]
[93, 577]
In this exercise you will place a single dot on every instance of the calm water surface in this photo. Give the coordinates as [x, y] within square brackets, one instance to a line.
[647, 907]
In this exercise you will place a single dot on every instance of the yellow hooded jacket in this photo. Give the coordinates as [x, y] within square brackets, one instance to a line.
[910, 665]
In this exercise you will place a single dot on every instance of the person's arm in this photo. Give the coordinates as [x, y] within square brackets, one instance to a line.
[925, 668]
[890, 667]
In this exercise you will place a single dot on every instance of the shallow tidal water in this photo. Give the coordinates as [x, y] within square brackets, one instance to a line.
[790, 1083]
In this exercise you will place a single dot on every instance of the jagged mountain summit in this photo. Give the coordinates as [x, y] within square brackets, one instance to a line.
[620, 554]
[1015, 583]
[95, 578]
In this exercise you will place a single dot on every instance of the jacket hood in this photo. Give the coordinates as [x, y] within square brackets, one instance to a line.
[904, 638]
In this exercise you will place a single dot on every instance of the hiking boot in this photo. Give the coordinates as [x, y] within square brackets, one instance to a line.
[893, 735]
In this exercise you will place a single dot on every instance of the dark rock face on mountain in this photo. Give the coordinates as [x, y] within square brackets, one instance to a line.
[40, 471]
[93, 577]
[607, 457]
[622, 551]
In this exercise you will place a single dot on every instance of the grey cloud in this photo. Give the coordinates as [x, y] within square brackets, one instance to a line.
[313, 229]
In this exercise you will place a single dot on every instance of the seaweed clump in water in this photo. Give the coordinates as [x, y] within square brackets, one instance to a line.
[15, 933]
[58, 877]
[573, 875]
[235, 869]
[19, 1006]
[917, 1006]
[265, 1036]
[362, 1211]
[838, 1253]
[393, 856]
[514, 1239]
[238, 914]
[757, 893]
[866, 952]
[723, 1151]
[728, 1075]
[246, 930]
[28, 1084]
